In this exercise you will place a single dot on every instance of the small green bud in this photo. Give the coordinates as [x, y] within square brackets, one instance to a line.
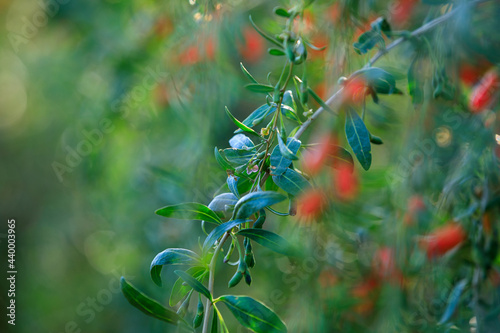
[235, 279]
[199, 313]
[248, 278]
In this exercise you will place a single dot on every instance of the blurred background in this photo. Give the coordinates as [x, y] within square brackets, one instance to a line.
[111, 109]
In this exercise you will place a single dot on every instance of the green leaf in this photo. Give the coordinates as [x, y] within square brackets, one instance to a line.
[284, 150]
[241, 141]
[266, 36]
[368, 41]
[291, 182]
[414, 82]
[232, 183]
[378, 79]
[219, 231]
[255, 201]
[275, 52]
[223, 162]
[238, 157]
[180, 290]
[174, 256]
[358, 138]
[221, 202]
[189, 211]
[268, 239]
[257, 116]
[147, 305]
[381, 25]
[259, 88]
[195, 284]
[253, 314]
[240, 125]
[280, 163]
[289, 100]
[215, 324]
[281, 12]
[247, 73]
[453, 301]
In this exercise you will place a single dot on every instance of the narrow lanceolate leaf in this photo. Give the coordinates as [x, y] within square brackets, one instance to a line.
[180, 289]
[241, 141]
[194, 283]
[253, 202]
[291, 182]
[232, 183]
[222, 202]
[247, 73]
[258, 116]
[219, 231]
[172, 257]
[222, 160]
[147, 305]
[237, 157]
[280, 163]
[215, 324]
[259, 88]
[453, 301]
[240, 125]
[285, 151]
[266, 36]
[253, 314]
[358, 138]
[268, 239]
[190, 211]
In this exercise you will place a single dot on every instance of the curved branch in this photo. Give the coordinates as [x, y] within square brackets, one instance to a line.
[336, 97]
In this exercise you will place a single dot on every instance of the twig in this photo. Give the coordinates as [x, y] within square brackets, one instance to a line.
[336, 97]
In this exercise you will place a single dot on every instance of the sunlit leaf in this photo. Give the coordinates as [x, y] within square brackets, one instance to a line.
[147, 305]
[253, 314]
[174, 256]
[194, 283]
[189, 211]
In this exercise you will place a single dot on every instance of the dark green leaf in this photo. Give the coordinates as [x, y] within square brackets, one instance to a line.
[285, 151]
[240, 125]
[221, 202]
[319, 100]
[147, 305]
[193, 283]
[279, 163]
[189, 211]
[180, 290]
[378, 79]
[173, 256]
[358, 138]
[381, 25]
[219, 231]
[291, 182]
[255, 201]
[247, 73]
[453, 301]
[415, 85]
[281, 12]
[268, 239]
[238, 157]
[223, 162]
[266, 36]
[253, 314]
[367, 41]
[215, 324]
[257, 116]
[275, 52]
[259, 88]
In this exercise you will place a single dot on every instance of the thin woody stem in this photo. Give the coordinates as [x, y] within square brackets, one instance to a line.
[337, 96]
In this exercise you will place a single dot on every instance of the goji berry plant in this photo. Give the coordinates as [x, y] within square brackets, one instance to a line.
[415, 241]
